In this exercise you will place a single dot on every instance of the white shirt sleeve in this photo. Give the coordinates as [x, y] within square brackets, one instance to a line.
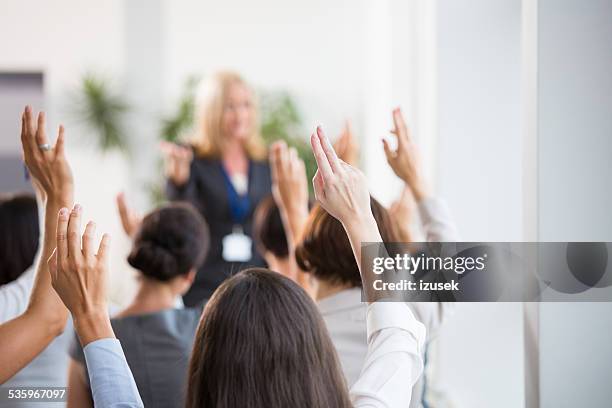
[14, 296]
[438, 225]
[393, 362]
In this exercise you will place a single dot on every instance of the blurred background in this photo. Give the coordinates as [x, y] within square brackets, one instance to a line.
[510, 102]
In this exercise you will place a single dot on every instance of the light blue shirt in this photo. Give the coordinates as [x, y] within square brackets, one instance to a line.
[112, 383]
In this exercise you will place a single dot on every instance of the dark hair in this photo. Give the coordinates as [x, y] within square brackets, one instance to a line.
[262, 343]
[19, 235]
[325, 250]
[171, 241]
[268, 231]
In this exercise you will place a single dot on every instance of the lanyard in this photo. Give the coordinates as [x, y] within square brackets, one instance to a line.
[239, 204]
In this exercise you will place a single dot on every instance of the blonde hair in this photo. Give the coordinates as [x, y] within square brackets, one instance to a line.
[209, 104]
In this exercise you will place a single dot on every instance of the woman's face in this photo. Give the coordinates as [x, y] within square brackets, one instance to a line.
[237, 118]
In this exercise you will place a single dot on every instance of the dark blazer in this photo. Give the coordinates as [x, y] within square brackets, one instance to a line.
[207, 191]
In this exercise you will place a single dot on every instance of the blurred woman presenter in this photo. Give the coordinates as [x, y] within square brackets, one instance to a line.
[224, 174]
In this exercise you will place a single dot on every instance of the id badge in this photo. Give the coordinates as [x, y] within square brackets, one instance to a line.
[237, 246]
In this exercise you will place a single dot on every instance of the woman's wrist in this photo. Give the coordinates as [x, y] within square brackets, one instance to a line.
[419, 190]
[92, 326]
[59, 200]
[362, 226]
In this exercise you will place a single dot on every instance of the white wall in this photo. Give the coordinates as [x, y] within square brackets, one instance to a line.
[479, 175]
[575, 192]
[312, 49]
[64, 39]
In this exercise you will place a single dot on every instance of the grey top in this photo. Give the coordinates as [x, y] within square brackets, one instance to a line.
[157, 347]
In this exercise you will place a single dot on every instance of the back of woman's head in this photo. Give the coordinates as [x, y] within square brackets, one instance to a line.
[262, 343]
[325, 250]
[19, 235]
[172, 241]
[268, 231]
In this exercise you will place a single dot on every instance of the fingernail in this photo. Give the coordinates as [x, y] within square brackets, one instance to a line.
[77, 208]
[63, 213]
[28, 108]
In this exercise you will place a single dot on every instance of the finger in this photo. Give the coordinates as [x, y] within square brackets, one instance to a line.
[103, 249]
[88, 239]
[30, 125]
[62, 235]
[41, 134]
[60, 142]
[401, 131]
[272, 159]
[301, 168]
[388, 152]
[321, 159]
[318, 186]
[74, 229]
[122, 207]
[277, 148]
[284, 160]
[24, 132]
[329, 151]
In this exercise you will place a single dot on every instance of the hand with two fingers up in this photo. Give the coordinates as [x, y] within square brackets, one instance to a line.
[79, 272]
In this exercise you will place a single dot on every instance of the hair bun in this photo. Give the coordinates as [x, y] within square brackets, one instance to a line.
[154, 260]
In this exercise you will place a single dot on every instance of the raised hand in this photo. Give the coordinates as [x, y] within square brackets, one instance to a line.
[46, 163]
[177, 160]
[346, 145]
[289, 183]
[339, 187]
[79, 273]
[130, 219]
[405, 159]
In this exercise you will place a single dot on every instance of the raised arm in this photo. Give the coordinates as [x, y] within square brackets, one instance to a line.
[24, 337]
[79, 272]
[405, 161]
[395, 338]
[290, 192]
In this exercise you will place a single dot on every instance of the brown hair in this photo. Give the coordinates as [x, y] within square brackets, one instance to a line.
[268, 230]
[210, 101]
[262, 343]
[325, 250]
[19, 232]
[171, 241]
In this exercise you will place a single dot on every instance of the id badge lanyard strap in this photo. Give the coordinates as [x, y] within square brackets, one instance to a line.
[239, 205]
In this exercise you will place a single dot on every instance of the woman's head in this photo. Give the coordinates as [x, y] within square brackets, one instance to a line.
[226, 112]
[262, 343]
[19, 235]
[325, 250]
[171, 243]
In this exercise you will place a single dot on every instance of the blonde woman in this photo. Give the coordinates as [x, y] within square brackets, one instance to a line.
[224, 174]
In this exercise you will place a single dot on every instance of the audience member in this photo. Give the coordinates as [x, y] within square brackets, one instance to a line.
[169, 245]
[261, 341]
[28, 326]
[324, 250]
